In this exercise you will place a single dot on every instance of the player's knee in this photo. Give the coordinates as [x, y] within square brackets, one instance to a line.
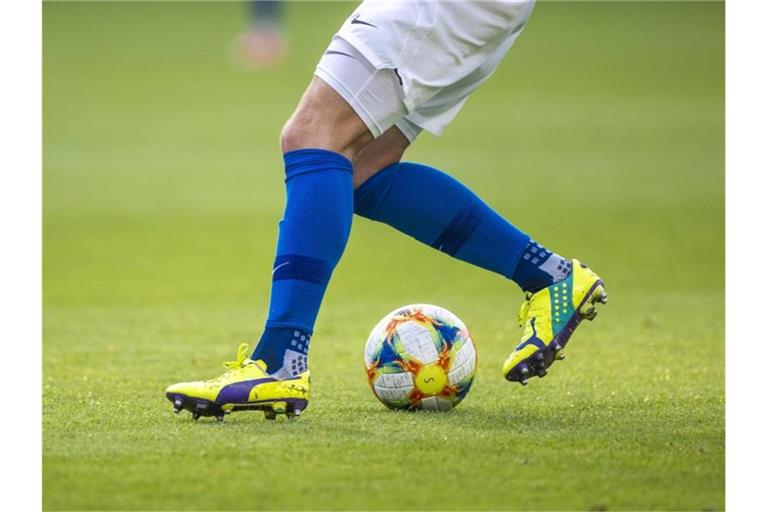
[307, 130]
[293, 136]
[325, 121]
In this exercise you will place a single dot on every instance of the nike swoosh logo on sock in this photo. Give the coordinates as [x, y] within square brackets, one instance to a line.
[279, 266]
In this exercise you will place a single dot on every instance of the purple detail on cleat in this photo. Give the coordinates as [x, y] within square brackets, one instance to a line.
[294, 405]
[297, 403]
[238, 392]
[173, 397]
[589, 292]
[533, 339]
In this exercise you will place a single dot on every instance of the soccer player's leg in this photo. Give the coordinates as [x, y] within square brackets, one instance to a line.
[318, 142]
[379, 154]
[348, 103]
[438, 210]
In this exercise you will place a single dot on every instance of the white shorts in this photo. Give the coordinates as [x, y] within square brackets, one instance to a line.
[413, 64]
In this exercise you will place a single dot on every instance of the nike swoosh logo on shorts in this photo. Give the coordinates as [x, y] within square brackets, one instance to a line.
[355, 20]
[334, 52]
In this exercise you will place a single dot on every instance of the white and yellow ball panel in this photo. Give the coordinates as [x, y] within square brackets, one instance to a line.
[463, 362]
[420, 356]
[394, 388]
[418, 341]
[436, 403]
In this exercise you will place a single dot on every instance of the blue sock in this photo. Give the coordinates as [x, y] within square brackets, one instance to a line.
[539, 267]
[312, 236]
[439, 211]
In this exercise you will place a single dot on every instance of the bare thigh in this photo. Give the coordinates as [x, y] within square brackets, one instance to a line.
[324, 120]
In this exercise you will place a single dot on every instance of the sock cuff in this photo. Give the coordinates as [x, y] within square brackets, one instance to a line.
[304, 161]
[371, 194]
[284, 350]
[514, 261]
[287, 334]
[292, 326]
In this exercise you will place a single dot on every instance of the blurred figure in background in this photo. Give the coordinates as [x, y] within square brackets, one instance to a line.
[262, 45]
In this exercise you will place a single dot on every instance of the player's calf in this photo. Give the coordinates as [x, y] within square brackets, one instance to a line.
[385, 150]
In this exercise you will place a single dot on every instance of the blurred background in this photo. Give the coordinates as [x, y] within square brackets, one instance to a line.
[601, 134]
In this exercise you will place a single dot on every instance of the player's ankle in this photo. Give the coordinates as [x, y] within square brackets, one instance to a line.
[283, 350]
[539, 268]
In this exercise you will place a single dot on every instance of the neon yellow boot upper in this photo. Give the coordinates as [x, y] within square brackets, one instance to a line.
[549, 317]
[245, 385]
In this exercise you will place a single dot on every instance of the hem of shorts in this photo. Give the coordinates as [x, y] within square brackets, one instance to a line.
[336, 84]
[374, 59]
[377, 62]
[425, 124]
[407, 133]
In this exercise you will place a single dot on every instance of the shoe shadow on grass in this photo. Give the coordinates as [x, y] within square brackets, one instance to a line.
[371, 417]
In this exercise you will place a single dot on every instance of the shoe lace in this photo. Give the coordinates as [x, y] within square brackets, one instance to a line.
[242, 355]
[522, 315]
[231, 366]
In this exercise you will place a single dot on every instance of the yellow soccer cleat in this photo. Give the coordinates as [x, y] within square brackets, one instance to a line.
[549, 317]
[245, 386]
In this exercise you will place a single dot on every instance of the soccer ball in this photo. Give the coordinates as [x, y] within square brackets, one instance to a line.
[420, 357]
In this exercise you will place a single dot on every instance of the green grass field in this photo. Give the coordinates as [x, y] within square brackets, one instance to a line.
[602, 135]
